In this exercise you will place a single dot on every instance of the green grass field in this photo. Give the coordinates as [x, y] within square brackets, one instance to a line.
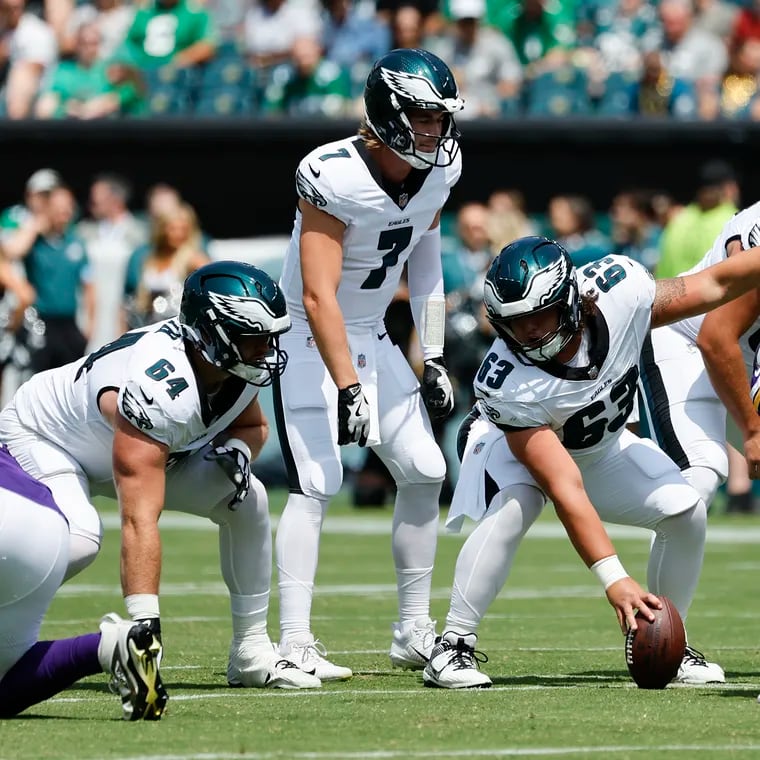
[561, 687]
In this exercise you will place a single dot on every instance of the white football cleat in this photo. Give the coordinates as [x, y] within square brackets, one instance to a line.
[261, 667]
[310, 655]
[131, 653]
[695, 670]
[454, 663]
[412, 644]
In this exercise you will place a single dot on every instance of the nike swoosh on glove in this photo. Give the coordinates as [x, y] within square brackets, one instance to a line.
[235, 459]
[353, 415]
[436, 390]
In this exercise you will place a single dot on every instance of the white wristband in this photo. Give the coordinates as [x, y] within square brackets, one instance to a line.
[142, 606]
[609, 570]
[236, 443]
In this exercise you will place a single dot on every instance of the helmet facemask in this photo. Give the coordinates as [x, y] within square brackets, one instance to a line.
[408, 79]
[546, 347]
[233, 314]
[560, 294]
[402, 140]
[219, 346]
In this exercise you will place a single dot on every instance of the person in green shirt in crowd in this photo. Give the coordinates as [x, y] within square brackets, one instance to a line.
[309, 84]
[87, 87]
[537, 28]
[176, 32]
[36, 193]
[56, 266]
[692, 230]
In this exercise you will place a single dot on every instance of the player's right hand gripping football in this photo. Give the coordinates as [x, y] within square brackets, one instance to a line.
[626, 596]
[235, 459]
[353, 415]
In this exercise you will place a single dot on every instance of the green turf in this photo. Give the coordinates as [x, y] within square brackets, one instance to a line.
[555, 654]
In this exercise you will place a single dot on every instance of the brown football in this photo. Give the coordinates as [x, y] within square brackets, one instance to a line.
[654, 651]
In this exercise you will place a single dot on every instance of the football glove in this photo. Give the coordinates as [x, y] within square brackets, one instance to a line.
[353, 415]
[234, 457]
[436, 390]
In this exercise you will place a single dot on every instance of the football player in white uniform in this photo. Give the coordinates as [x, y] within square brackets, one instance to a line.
[554, 394]
[696, 369]
[34, 546]
[168, 416]
[367, 206]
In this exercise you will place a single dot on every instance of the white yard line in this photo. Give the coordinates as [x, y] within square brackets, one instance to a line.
[385, 754]
[380, 526]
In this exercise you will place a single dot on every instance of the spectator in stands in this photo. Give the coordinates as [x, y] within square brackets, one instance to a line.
[619, 31]
[716, 17]
[428, 11]
[746, 25]
[407, 27]
[571, 218]
[36, 194]
[88, 87]
[110, 235]
[688, 52]
[735, 95]
[482, 59]
[27, 50]
[309, 85]
[229, 17]
[161, 200]
[507, 219]
[350, 37]
[541, 32]
[176, 32]
[635, 231]
[466, 260]
[692, 231]
[112, 18]
[272, 26]
[659, 94]
[56, 266]
[175, 252]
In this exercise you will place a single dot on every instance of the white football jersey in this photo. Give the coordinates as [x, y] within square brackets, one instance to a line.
[587, 406]
[743, 226]
[158, 394]
[383, 222]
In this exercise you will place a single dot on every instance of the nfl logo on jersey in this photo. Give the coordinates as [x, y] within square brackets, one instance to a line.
[361, 360]
[478, 448]
[310, 342]
[403, 199]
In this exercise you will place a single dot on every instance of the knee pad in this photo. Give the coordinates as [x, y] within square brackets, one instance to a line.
[321, 478]
[704, 481]
[423, 464]
[688, 525]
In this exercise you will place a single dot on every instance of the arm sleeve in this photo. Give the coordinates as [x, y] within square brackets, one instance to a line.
[426, 293]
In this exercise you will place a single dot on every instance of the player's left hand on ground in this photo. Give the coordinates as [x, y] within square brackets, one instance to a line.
[437, 393]
[235, 459]
[626, 596]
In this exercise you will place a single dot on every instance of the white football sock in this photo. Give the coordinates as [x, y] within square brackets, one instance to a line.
[675, 559]
[245, 553]
[297, 551]
[486, 557]
[414, 538]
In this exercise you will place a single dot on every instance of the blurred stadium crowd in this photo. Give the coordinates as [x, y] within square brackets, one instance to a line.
[76, 273]
[84, 59]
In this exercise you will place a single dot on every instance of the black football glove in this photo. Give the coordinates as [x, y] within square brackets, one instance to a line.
[353, 415]
[436, 390]
[233, 457]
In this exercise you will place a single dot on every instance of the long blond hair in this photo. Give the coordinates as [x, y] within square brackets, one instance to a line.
[181, 260]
